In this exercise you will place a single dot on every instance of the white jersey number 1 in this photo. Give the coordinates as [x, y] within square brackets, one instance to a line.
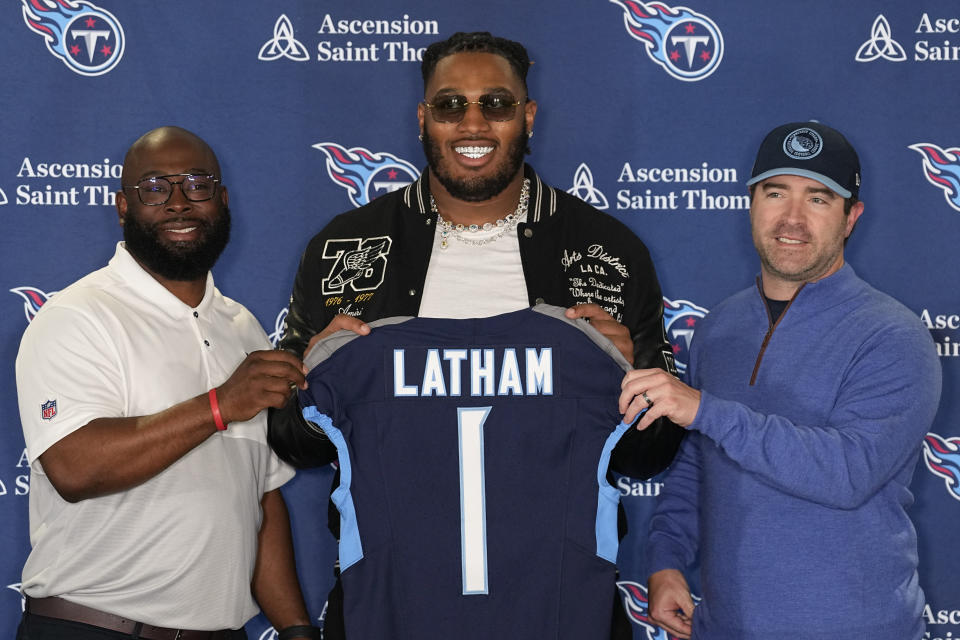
[473, 516]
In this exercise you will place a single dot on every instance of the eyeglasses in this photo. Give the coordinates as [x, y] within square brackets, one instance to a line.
[494, 107]
[158, 189]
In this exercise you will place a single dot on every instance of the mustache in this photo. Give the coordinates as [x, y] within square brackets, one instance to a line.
[792, 230]
[197, 222]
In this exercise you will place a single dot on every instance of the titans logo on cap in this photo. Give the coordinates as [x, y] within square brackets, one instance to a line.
[365, 174]
[802, 144]
[686, 44]
[680, 319]
[88, 39]
[942, 457]
[941, 167]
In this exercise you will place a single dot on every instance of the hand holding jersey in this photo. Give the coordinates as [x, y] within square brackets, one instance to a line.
[660, 395]
[340, 322]
[607, 325]
[262, 380]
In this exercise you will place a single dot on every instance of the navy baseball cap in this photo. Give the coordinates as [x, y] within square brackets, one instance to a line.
[810, 150]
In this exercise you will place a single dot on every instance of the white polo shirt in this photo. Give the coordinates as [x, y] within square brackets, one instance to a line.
[179, 549]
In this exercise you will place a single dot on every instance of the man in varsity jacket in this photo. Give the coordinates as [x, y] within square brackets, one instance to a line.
[479, 234]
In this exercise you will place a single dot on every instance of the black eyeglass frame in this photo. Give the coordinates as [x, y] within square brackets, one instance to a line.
[480, 102]
[185, 176]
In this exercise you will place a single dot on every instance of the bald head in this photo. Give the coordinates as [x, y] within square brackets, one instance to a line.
[151, 151]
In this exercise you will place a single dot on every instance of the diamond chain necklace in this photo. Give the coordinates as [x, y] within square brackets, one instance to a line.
[505, 224]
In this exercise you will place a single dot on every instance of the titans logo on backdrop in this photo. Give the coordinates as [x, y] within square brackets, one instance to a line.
[33, 299]
[686, 44]
[942, 457]
[86, 38]
[364, 173]
[680, 319]
[941, 168]
[445, 431]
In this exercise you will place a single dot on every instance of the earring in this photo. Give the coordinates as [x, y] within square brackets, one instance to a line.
[420, 137]
[529, 134]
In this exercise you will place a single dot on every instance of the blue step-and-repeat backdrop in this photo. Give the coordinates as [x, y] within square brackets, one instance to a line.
[651, 111]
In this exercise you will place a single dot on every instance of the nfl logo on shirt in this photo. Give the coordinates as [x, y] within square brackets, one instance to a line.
[48, 410]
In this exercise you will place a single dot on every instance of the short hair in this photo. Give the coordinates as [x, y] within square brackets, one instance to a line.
[476, 42]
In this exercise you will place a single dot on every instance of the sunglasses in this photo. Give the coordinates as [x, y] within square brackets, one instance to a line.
[494, 107]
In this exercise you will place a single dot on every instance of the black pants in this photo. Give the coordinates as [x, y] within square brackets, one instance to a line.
[34, 627]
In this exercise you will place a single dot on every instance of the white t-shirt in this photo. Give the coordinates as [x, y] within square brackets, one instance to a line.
[470, 281]
[179, 549]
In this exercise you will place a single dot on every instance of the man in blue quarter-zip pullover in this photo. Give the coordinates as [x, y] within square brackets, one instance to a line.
[810, 395]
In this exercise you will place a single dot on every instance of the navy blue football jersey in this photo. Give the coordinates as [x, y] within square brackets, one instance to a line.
[473, 495]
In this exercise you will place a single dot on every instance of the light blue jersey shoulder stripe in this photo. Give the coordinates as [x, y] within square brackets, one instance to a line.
[351, 550]
[608, 497]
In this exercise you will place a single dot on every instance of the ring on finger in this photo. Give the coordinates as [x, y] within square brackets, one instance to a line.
[646, 399]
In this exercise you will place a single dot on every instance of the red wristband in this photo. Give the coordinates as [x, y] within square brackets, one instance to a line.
[215, 408]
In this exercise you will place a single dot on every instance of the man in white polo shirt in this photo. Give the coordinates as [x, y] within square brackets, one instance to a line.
[155, 509]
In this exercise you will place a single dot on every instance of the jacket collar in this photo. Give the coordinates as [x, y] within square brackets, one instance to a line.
[814, 297]
[543, 197]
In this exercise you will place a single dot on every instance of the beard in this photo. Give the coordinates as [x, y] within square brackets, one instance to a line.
[479, 188]
[180, 261]
[781, 262]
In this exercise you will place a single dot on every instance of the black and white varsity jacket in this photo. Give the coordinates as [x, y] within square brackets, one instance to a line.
[371, 263]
